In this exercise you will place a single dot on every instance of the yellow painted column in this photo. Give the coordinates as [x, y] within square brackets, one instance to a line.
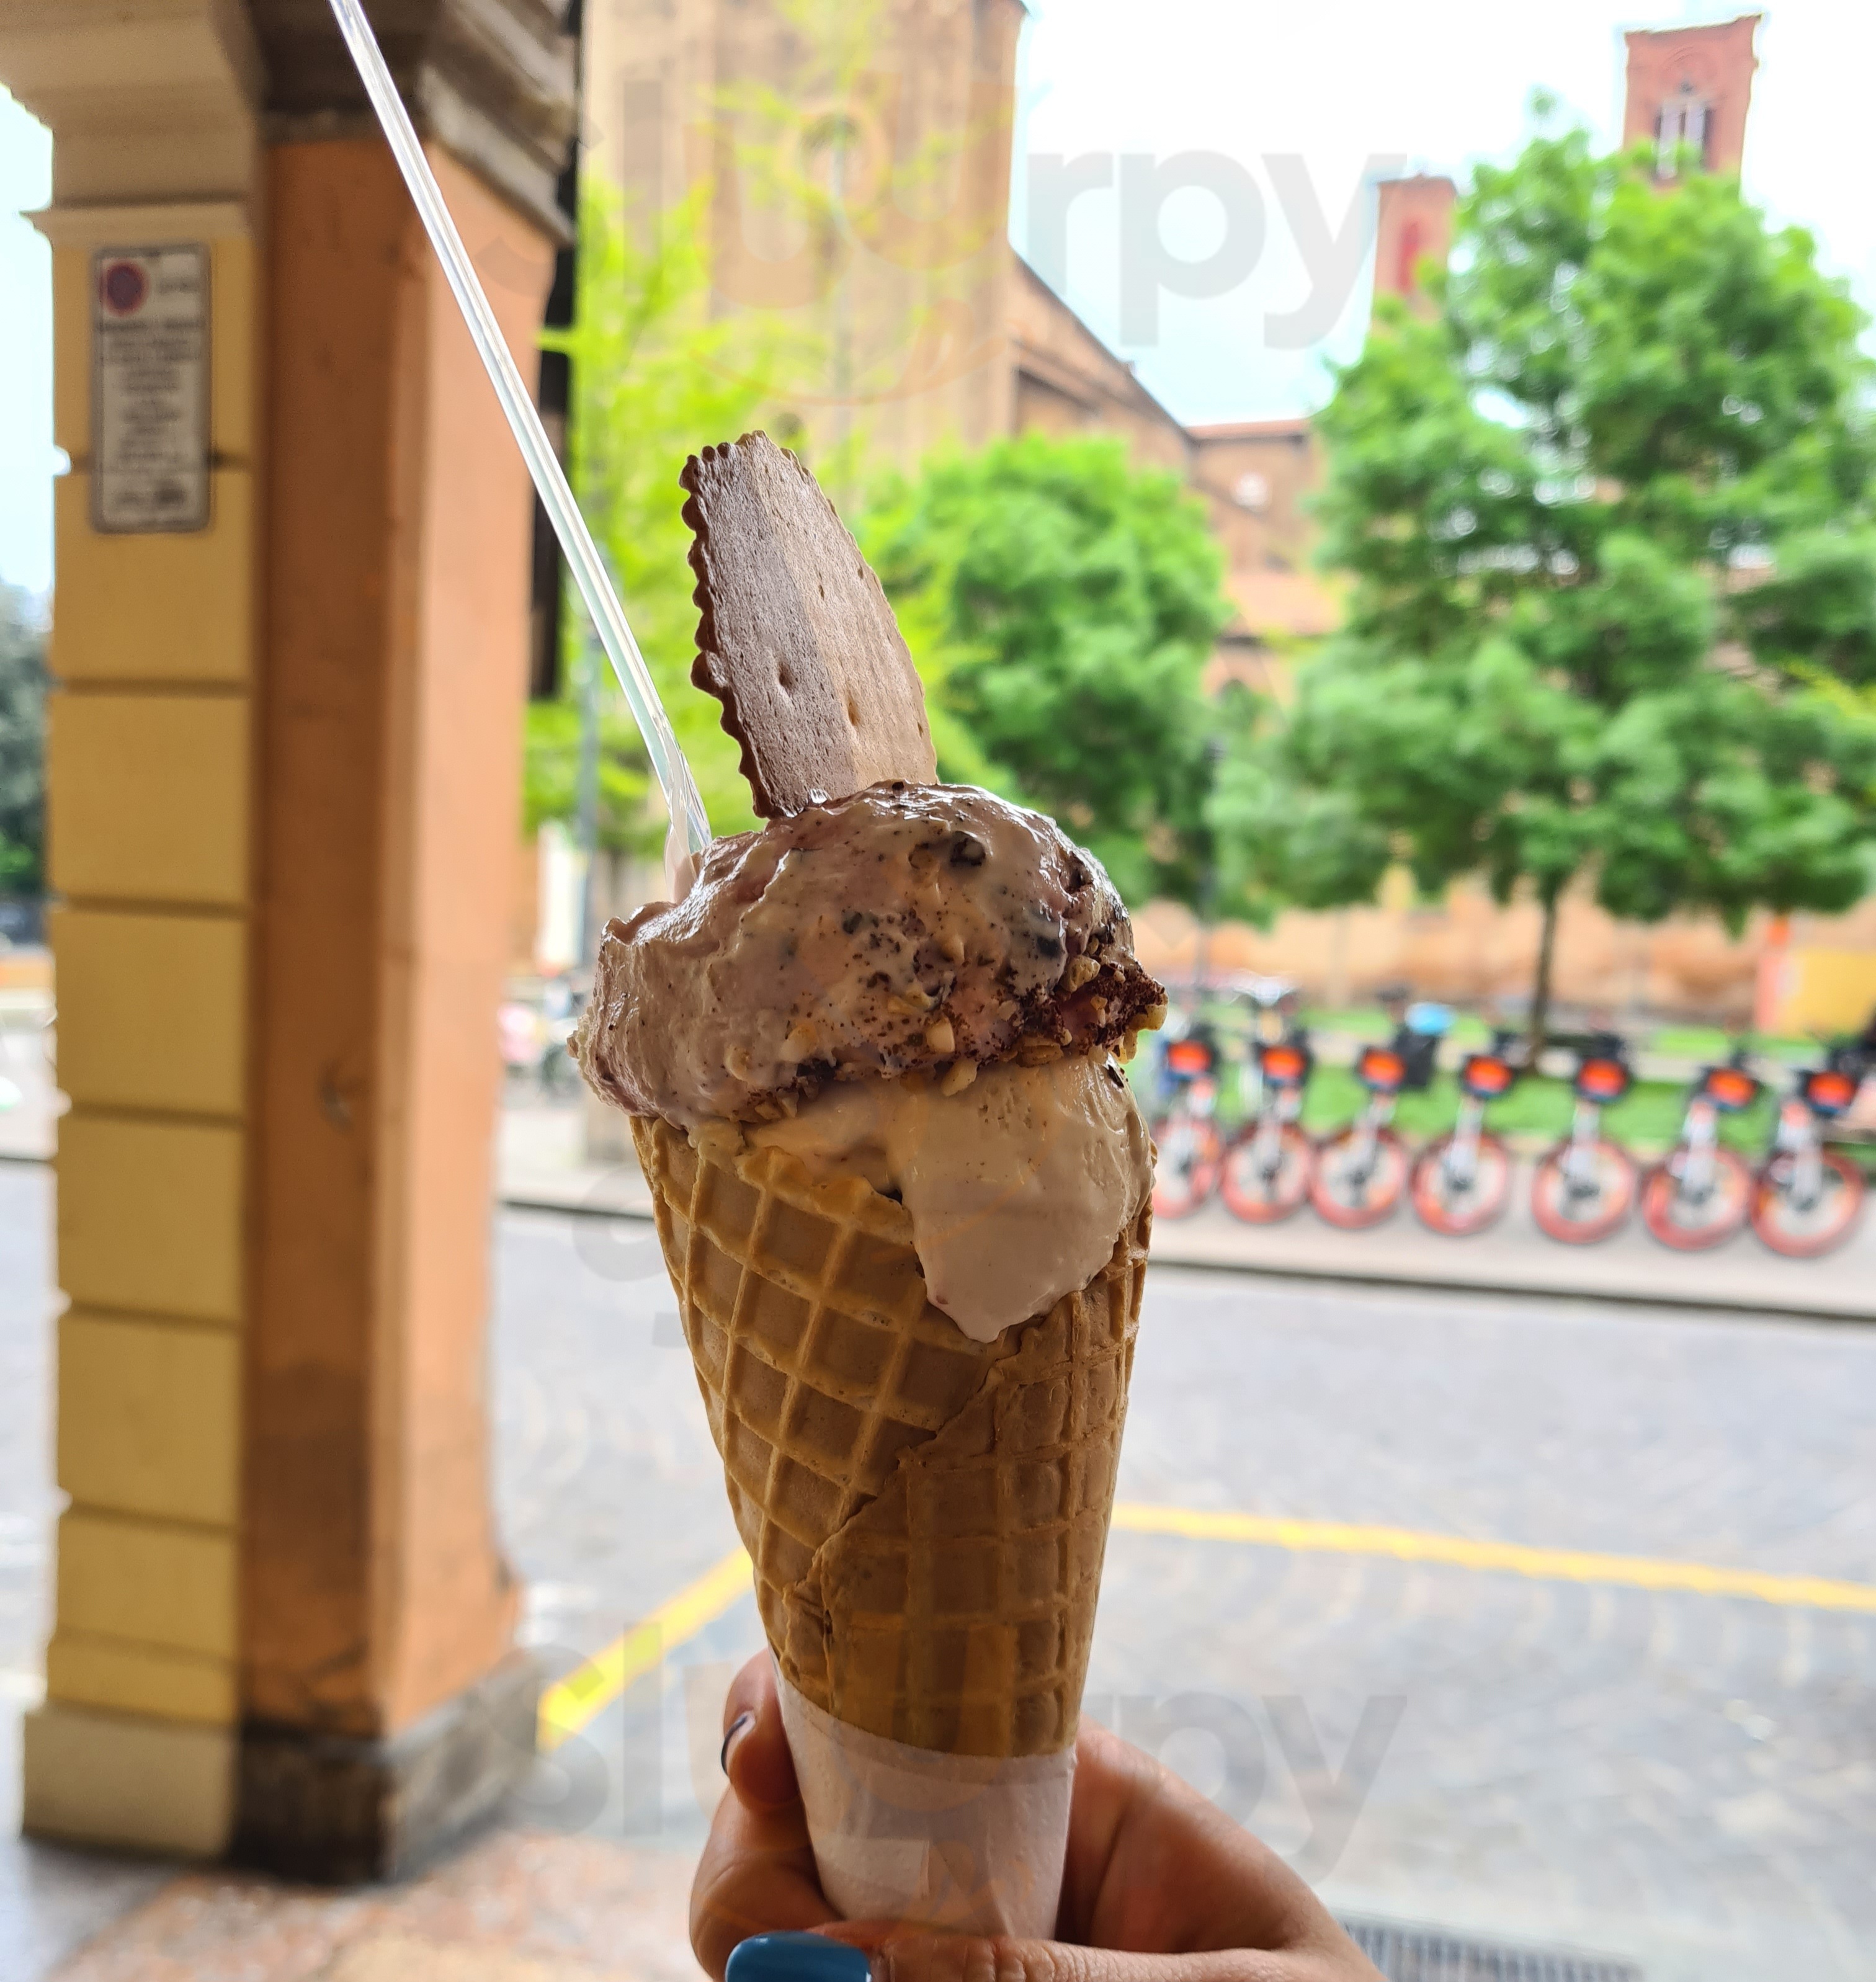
[150, 746]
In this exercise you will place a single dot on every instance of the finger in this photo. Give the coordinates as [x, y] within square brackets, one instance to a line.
[896, 1954]
[755, 1755]
[756, 1876]
[1152, 1864]
[757, 1872]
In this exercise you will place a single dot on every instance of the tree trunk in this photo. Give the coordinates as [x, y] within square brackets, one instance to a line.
[1541, 989]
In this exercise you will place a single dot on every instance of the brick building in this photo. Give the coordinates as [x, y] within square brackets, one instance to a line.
[1691, 87]
[933, 327]
[1413, 229]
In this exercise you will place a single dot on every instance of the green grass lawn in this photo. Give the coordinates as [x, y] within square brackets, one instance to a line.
[1708, 1042]
[1701, 1043]
[1372, 1023]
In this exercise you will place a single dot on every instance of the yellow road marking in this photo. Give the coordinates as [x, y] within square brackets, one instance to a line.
[567, 1705]
[1812, 1593]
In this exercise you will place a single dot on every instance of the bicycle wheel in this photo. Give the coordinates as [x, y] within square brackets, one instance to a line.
[1581, 1211]
[559, 1071]
[1802, 1232]
[1690, 1221]
[1262, 1193]
[1351, 1195]
[1457, 1207]
[1185, 1172]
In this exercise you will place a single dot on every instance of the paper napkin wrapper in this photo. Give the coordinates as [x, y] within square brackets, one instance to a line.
[966, 1843]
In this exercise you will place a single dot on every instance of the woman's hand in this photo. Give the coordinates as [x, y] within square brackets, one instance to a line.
[1158, 1886]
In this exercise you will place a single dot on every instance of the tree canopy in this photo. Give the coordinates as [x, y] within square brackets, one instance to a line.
[22, 744]
[1607, 513]
[653, 375]
[1062, 605]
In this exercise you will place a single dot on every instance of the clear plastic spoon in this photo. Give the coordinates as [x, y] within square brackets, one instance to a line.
[690, 826]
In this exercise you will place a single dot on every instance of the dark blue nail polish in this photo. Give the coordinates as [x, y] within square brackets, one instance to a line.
[796, 1957]
[735, 1728]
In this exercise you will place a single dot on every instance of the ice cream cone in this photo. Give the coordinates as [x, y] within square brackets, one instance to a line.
[926, 1513]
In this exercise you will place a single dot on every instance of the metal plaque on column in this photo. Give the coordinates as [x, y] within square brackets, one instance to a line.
[149, 458]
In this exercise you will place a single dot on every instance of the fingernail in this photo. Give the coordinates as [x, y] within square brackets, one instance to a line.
[796, 1957]
[736, 1727]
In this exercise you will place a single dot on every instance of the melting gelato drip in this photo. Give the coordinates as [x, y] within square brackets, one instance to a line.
[906, 928]
[1017, 1186]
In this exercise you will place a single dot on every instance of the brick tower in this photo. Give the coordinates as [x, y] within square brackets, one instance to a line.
[1415, 226]
[1691, 86]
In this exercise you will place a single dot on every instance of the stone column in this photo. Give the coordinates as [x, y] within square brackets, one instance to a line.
[285, 752]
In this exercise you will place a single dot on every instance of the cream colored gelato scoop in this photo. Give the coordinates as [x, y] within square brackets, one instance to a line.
[1015, 1187]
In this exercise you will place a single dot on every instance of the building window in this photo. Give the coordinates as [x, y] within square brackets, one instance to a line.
[1252, 490]
[1682, 121]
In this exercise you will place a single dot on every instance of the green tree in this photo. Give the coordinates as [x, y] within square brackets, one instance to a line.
[654, 377]
[1061, 605]
[1607, 512]
[551, 791]
[22, 744]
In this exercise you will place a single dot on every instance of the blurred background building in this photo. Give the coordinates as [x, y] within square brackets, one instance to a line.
[937, 329]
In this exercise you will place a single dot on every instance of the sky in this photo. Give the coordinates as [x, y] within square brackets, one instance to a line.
[1428, 86]
[1332, 92]
[26, 457]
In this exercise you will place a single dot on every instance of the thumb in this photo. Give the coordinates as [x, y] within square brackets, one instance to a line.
[899, 1953]
[756, 1754]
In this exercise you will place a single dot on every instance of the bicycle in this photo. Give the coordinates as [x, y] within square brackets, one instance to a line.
[1583, 1190]
[560, 1002]
[1268, 1165]
[1700, 1192]
[1461, 1182]
[534, 1039]
[1807, 1199]
[1361, 1171]
[1190, 1149]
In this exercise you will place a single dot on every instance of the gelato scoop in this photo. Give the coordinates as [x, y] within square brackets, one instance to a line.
[905, 929]
[1015, 1187]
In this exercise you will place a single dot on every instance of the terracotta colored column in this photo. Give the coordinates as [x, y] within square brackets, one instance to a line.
[374, 1597]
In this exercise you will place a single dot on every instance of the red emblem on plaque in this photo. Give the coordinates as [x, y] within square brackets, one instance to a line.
[123, 286]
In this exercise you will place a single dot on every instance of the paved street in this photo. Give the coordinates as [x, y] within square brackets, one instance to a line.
[1687, 1779]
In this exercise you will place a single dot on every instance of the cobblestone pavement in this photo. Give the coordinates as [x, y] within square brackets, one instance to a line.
[1687, 1780]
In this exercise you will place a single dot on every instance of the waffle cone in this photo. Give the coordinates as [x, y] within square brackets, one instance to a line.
[926, 1514]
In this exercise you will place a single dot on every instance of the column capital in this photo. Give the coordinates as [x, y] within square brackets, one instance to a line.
[148, 100]
[493, 80]
[161, 98]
